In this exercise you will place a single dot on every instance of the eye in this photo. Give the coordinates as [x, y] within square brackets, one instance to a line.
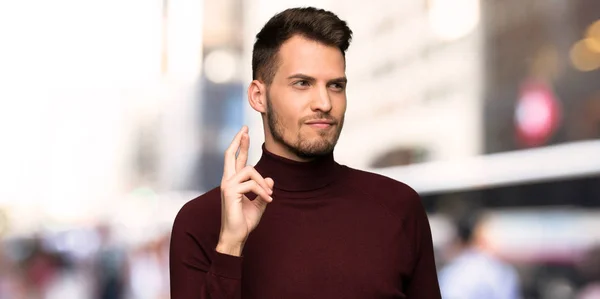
[301, 83]
[337, 86]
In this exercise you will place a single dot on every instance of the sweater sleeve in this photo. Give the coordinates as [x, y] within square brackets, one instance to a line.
[424, 282]
[196, 270]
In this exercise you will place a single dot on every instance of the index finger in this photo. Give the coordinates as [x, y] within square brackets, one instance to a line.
[229, 163]
[242, 157]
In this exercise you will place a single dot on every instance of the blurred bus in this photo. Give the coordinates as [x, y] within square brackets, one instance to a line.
[541, 208]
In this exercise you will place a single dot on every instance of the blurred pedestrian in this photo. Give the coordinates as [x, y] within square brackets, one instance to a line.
[110, 267]
[473, 273]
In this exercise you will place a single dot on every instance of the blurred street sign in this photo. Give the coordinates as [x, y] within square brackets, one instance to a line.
[537, 114]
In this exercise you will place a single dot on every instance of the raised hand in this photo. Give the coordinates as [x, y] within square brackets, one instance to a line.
[240, 215]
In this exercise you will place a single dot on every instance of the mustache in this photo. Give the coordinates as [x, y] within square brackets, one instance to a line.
[319, 116]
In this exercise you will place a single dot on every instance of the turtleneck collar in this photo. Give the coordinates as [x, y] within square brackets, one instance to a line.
[290, 175]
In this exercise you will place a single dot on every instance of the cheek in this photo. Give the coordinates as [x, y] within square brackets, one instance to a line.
[295, 106]
[339, 106]
[288, 114]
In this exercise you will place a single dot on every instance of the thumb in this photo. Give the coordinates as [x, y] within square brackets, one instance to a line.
[261, 203]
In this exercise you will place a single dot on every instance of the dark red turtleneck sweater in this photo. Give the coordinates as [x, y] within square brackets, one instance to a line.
[330, 232]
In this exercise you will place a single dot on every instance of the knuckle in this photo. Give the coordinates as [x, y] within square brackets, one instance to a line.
[248, 169]
[228, 193]
[225, 187]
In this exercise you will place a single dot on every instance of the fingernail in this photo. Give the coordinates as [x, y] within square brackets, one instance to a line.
[270, 191]
[270, 198]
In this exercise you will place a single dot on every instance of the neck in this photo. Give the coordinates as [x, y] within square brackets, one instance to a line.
[294, 175]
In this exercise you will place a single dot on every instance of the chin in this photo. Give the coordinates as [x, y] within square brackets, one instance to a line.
[318, 146]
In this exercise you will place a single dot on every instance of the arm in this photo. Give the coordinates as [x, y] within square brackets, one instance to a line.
[197, 271]
[201, 269]
[424, 282]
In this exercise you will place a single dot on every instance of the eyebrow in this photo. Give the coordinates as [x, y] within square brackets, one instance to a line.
[312, 79]
[343, 80]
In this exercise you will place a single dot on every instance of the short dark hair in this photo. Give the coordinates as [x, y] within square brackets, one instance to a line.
[466, 225]
[309, 22]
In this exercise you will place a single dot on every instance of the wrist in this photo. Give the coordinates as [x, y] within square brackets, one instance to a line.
[230, 248]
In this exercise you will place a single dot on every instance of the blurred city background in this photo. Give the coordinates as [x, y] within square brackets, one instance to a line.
[115, 113]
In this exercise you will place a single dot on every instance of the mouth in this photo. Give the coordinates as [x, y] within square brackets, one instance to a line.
[321, 123]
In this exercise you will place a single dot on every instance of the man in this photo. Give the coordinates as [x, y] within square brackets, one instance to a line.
[329, 231]
[472, 272]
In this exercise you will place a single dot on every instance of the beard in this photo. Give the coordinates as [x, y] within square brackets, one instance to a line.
[304, 147]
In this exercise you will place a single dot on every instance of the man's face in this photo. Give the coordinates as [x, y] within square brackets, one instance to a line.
[306, 101]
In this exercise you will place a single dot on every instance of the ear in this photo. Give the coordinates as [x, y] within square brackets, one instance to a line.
[257, 96]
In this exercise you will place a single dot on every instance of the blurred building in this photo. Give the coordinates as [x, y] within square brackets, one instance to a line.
[167, 137]
[415, 79]
[182, 148]
[542, 61]
[75, 89]
[92, 109]
[221, 94]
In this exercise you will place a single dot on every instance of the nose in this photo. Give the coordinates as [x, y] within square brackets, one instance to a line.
[321, 100]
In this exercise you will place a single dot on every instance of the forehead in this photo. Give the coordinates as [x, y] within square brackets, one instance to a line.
[309, 57]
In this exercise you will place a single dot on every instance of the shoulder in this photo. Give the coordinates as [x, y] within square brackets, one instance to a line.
[396, 195]
[200, 213]
[377, 179]
[381, 186]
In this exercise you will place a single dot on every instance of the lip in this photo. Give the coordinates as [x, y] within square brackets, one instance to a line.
[320, 125]
[321, 122]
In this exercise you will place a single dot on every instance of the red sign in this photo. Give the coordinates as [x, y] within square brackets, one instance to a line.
[537, 114]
